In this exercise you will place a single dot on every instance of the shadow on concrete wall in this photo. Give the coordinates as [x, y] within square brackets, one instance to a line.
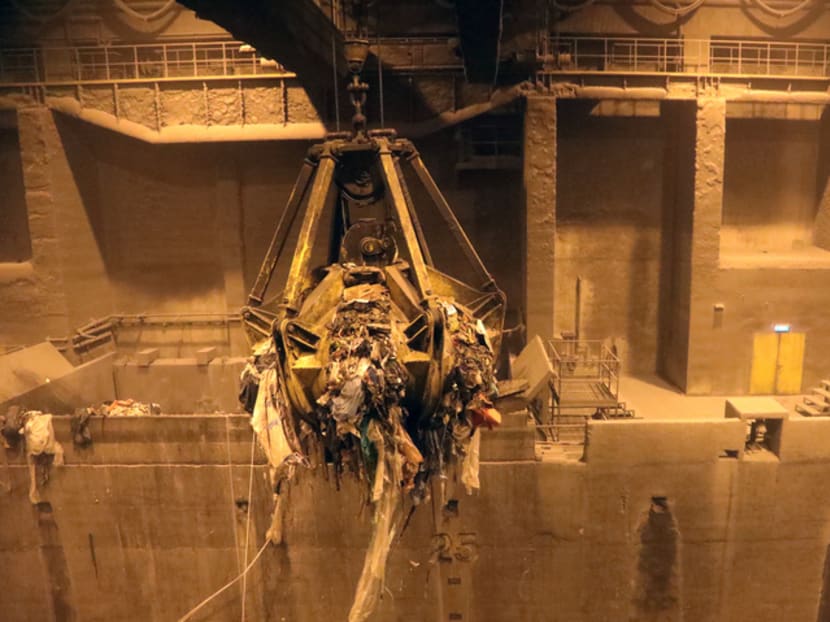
[658, 582]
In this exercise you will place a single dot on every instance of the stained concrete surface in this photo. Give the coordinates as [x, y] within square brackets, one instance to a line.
[609, 229]
[147, 525]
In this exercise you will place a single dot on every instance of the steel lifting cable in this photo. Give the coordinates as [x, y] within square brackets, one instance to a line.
[334, 71]
[783, 12]
[380, 72]
[679, 11]
[147, 17]
[498, 43]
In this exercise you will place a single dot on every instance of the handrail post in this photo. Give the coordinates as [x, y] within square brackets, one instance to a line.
[35, 63]
[635, 54]
[740, 57]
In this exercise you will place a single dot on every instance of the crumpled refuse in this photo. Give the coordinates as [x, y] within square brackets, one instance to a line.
[452, 434]
[345, 405]
[12, 424]
[249, 385]
[40, 435]
[130, 408]
[267, 420]
[385, 519]
[360, 423]
[79, 425]
[41, 450]
[470, 464]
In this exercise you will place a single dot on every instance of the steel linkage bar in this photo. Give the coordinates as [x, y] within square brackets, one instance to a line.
[398, 199]
[289, 214]
[487, 281]
[299, 271]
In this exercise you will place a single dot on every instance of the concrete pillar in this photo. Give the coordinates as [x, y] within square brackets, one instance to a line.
[32, 294]
[540, 213]
[675, 271]
[80, 219]
[704, 342]
[821, 231]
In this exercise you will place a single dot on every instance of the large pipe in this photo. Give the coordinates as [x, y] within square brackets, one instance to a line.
[188, 133]
[265, 131]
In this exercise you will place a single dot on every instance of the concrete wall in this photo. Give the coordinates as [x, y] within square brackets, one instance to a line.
[769, 200]
[144, 525]
[15, 243]
[609, 214]
[140, 228]
[763, 288]
[120, 226]
[675, 268]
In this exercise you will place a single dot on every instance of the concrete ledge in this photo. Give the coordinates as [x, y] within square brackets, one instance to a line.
[626, 443]
[506, 444]
[805, 439]
[162, 439]
[182, 385]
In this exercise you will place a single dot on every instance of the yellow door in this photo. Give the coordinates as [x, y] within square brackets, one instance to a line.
[777, 363]
[764, 357]
[790, 363]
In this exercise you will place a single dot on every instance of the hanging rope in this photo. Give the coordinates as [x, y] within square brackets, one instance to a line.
[233, 493]
[783, 12]
[146, 17]
[244, 574]
[678, 11]
[42, 18]
[248, 521]
[228, 584]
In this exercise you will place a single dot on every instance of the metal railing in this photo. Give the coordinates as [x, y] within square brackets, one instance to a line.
[126, 63]
[585, 365]
[125, 331]
[715, 56]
